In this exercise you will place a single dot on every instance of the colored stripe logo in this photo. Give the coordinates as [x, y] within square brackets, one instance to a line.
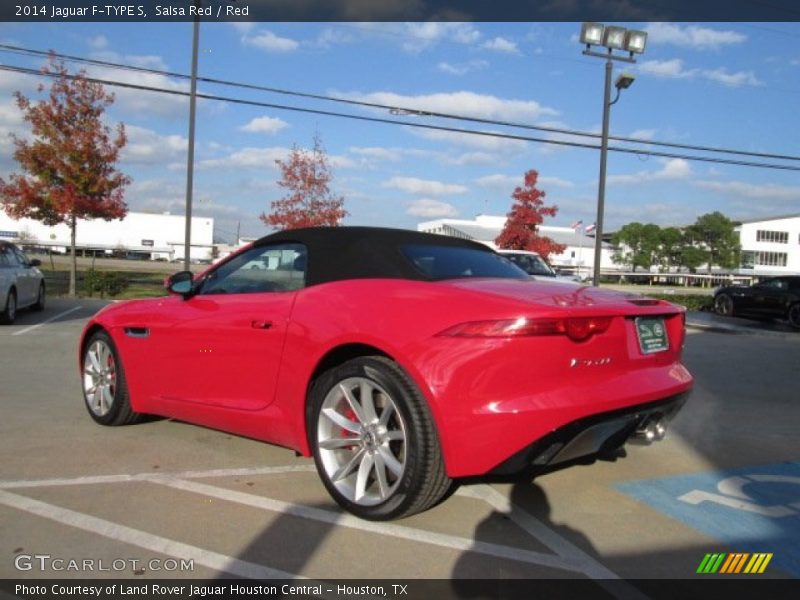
[734, 563]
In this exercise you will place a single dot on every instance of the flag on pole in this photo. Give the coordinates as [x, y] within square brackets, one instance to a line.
[590, 228]
[577, 225]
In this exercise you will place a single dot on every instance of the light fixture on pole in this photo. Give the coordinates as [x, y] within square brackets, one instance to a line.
[623, 40]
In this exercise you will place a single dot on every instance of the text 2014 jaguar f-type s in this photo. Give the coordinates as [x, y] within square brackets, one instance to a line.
[400, 360]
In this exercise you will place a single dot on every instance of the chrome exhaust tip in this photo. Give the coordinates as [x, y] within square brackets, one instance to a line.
[652, 429]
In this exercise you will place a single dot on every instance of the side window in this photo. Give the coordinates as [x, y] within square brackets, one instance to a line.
[11, 257]
[21, 258]
[5, 261]
[275, 268]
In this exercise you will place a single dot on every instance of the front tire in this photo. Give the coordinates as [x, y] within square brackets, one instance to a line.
[9, 313]
[40, 299]
[794, 315]
[105, 389]
[374, 441]
[723, 305]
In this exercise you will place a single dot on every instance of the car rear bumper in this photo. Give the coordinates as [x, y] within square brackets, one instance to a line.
[590, 435]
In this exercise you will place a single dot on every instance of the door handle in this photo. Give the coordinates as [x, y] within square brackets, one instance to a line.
[258, 324]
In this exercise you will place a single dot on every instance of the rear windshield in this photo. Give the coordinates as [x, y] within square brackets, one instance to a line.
[531, 264]
[453, 262]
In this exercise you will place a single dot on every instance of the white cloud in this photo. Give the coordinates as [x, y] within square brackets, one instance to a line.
[462, 103]
[510, 182]
[146, 146]
[264, 124]
[248, 158]
[462, 68]
[427, 187]
[764, 191]
[431, 209]
[673, 169]
[737, 79]
[544, 180]
[140, 101]
[260, 158]
[674, 69]
[420, 36]
[471, 140]
[374, 153]
[498, 181]
[98, 42]
[501, 44]
[692, 36]
[664, 68]
[643, 134]
[268, 41]
[330, 36]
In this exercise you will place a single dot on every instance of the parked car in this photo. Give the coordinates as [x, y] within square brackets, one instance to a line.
[535, 266]
[400, 360]
[775, 298]
[21, 283]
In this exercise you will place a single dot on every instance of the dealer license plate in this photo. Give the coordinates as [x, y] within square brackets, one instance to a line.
[652, 334]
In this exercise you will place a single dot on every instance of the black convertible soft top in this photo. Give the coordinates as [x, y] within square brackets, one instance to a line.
[337, 253]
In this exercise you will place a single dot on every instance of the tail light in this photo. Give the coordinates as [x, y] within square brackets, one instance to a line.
[576, 328]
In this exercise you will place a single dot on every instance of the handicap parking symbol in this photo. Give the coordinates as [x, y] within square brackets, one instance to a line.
[751, 509]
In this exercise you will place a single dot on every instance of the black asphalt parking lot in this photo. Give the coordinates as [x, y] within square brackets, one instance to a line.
[163, 494]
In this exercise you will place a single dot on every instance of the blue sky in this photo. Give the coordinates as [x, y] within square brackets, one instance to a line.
[734, 85]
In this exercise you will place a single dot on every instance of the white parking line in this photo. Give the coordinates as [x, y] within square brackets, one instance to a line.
[50, 320]
[389, 529]
[123, 478]
[567, 557]
[561, 546]
[142, 539]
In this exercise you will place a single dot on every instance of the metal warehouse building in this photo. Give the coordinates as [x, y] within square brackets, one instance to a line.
[138, 235]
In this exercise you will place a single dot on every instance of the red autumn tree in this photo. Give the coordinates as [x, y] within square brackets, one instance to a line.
[309, 202]
[68, 166]
[527, 213]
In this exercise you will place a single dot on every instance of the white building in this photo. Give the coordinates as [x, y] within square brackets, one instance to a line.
[770, 246]
[578, 255]
[145, 235]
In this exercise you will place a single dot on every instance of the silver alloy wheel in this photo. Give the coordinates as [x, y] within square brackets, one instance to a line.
[99, 378]
[362, 441]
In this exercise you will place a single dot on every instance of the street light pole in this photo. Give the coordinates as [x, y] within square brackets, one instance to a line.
[620, 39]
[601, 193]
[187, 247]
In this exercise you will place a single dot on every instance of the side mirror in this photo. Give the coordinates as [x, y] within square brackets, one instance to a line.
[181, 283]
[35, 262]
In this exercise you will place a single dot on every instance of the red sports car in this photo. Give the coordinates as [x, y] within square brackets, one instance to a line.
[400, 360]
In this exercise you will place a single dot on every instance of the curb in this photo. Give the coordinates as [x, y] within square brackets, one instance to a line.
[737, 330]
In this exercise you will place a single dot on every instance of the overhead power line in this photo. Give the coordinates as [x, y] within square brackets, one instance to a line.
[397, 109]
[243, 101]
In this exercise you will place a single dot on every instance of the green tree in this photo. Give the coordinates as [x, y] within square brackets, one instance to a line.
[714, 233]
[670, 248]
[69, 165]
[638, 245]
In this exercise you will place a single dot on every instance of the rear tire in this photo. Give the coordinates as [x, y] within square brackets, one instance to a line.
[374, 441]
[105, 390]
[9, 312]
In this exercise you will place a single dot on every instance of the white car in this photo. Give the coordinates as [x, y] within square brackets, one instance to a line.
[21, 283]
[535, 266]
